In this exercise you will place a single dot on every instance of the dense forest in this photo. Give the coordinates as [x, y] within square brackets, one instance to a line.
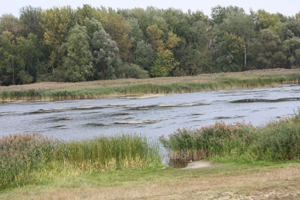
[87, 43]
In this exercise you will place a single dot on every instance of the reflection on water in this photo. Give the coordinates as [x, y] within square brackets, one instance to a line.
[153, 117]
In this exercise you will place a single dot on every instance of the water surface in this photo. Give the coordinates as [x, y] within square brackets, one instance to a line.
[154, 117]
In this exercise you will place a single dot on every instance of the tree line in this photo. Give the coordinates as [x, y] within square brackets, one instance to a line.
[88, 43]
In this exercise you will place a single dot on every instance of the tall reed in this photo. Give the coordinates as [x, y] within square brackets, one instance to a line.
[26, 156]
[276, 141]
[179, 87]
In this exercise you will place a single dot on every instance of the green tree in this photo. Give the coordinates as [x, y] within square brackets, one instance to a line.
[10, 23]
[135, 32]
[164, 64]
[12, 49]
[79, 57]
[239, 24]
[267, 50]
[105, 51]
[144, 55]
[264, 20]
[118, 29]
[292, 49]
[155, 35]
[87, 11]
[30, 17]
[229, 52]
[56, 23]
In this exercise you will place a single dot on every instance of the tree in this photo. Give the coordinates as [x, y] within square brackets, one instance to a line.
[229, 51]
[13, 50]
[264, 20]
[173, 41]
[164, 64]
[79, 57]
[267, 50]
[10, 23]
[105, 51]
[292, 49]
[30, 17]
[144, 55]
[136, 33]
[56, 23]
[240, 25]
[155, 34]
[118, 29]
[87, 11]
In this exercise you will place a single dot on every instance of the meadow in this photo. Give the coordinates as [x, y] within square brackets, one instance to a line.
[166, 85]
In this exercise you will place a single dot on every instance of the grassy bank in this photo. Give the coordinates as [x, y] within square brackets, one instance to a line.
[222, 181]
[248, 162]
[276, 141]
[100, 89]
[28, 157]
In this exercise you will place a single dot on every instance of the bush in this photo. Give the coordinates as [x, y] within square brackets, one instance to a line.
[25, 77]
[277, 141]
[131, 71]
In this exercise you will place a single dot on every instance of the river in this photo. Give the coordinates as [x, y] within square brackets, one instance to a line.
[153, 117]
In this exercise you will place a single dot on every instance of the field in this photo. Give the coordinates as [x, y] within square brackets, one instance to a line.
[119, 87]
[221, 181]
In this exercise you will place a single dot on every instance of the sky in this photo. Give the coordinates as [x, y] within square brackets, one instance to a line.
[286, 7]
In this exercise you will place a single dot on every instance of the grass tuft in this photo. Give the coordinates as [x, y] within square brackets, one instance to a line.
[276, 141]
[25, 157]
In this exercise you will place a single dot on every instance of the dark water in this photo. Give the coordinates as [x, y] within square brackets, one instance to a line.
[153, 117]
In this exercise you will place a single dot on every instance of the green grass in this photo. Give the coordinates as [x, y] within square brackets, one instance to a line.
[28, 157]
[163, 183]
[277, 141]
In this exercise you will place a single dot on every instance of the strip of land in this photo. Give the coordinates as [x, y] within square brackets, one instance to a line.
[220, 181]
[134, 87]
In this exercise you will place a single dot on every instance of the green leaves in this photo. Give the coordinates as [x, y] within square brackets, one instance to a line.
[164, 64]
[79, 57]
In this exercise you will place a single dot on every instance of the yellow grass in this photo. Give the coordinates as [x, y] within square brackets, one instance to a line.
[203, 78]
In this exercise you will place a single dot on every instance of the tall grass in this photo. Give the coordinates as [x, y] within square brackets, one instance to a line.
[179, 87]
[276, 141]
[30, 156]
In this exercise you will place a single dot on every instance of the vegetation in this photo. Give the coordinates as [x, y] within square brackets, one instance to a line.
[276, 141]
[25, 157]
[42, 45]
[56, 91]
[237, 181]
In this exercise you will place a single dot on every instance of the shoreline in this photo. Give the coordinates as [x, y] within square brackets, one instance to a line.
[136, 88]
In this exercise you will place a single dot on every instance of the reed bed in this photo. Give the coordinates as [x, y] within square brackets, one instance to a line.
[275, 141]
[164, 86]
[28, 157]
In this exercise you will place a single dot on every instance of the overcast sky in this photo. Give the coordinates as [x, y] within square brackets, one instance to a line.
[286, 7]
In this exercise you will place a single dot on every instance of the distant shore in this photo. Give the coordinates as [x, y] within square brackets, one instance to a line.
[47, 91]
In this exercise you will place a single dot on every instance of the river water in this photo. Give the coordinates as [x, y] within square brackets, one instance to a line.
[153, 117]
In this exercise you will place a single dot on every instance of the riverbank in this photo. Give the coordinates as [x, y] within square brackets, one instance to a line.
[221, 181]
[132, 87]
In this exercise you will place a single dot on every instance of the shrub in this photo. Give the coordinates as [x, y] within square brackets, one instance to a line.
[277, 141]
[131, 71]
[25, 77]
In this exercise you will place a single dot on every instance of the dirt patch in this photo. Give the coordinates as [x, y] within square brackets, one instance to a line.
[198, 164]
